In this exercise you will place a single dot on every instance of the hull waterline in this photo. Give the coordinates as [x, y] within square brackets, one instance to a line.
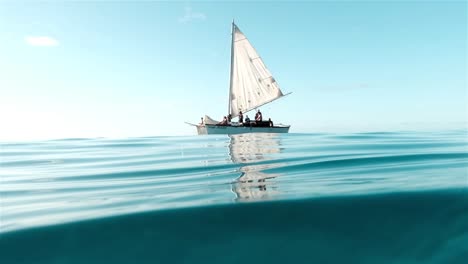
[230, 130]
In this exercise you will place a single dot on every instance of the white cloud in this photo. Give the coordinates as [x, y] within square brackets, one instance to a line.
[191, 16]
[42, 41]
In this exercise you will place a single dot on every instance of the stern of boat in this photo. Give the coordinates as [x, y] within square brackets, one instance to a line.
[201, 130]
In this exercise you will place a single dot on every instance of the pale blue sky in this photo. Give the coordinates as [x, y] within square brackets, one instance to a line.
[119, 69]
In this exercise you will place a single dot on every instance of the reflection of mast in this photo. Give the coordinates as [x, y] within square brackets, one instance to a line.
[248, 150]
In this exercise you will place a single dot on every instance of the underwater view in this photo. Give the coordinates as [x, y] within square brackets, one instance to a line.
[385, 197]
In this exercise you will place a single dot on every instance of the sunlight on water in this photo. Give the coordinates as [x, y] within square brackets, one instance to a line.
[175, 186]
[66, 180]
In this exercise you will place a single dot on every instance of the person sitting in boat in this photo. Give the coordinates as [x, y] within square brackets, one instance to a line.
[247, 120]
[258, 116]
[224, 122]
[270, 122]
[229, 118]
[241, 117]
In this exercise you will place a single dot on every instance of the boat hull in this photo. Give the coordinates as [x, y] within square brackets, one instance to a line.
[230, 130]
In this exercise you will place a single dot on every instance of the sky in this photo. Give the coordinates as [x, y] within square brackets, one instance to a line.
[129, 69]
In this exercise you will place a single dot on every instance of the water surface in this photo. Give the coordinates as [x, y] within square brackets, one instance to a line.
[265, 198]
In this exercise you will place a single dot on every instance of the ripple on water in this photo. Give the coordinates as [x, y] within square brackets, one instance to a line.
[67, 180]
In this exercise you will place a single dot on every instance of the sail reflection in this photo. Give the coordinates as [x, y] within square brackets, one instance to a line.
[253, 153]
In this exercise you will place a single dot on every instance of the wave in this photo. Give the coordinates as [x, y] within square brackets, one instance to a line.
[410, 227]
[85, 181]
[375, 161]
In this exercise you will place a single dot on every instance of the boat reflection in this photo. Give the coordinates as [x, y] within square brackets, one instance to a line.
[255, 153]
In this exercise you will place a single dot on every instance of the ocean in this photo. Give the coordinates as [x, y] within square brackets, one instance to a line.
[384, 197]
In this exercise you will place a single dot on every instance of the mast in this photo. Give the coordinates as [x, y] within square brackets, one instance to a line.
[232, 65]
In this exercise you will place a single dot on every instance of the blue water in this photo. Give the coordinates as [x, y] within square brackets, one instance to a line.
[257, 198]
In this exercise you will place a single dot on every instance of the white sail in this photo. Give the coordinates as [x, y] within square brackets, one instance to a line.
[209, 121]
[252, 84]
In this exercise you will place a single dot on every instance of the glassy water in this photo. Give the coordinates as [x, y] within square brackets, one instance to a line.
[263, 198]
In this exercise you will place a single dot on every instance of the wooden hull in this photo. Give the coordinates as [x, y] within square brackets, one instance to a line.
[230, 130]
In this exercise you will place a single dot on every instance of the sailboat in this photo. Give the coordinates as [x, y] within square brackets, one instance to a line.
[251, 86]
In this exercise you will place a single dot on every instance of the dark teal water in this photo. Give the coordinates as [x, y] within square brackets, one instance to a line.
[258, 198]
